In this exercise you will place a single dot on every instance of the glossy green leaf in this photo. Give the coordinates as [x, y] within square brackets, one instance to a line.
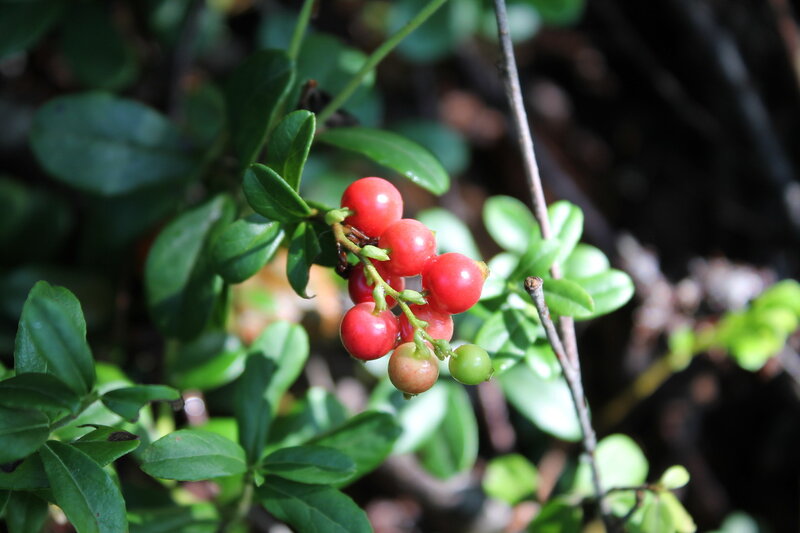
[500, 268]
[180, 284]
[453, 447]
[393, 151]
[566, 224]
[609, 291]
[542, 360]
[567, 298]
[106, 444]
[558, 516]
[445, 143]
[546, 403]
[536, 260]
[289, 144]
[366, 438]
[621, 464]
[127, 401]
[84, 491]
[286, 345]
[510, 478]
[107, 145]
[310, 464]
[244, 247]
[94, 49]
[196, 518]
[211, 360]
[584, 261]
[271, 196]
[254, 94]
[510, 223]
[51, 338]
[312, 507]
[682, 521]
[192, 455]
[674, 477]
[27, 474]
[452, 235]
[508, 335]
[653, 516]
[303, 249]
[41, 391]
[317, 412]
[253, 410]
[26, 513]
[22, 24]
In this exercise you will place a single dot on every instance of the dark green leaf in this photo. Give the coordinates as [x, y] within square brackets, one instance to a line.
[254, 94]
[453, 448]
[319, 411]
[312, 507]
[559, 12]
[537, 259]
[196, 518]
[310, 464]
[566, 224]
[328, 255]
[546, 403]
[244, 247]
[452, 235]
[392, 151]
[303, 249]
[452, 23]
[286, 345]
[27, 474]
[510, 223]
[204, 115]
[94, 48]
[108, 145]
[86, 493]
[106, 444]
[211, 360]
[445, 143]
[367, 439]
[23, 23]
[510, 478]
[126, 402]
[4, 496]
[609, 290]
[26, 513]
[567, 298]
[42, 391]
[51, 338]
[288, 146]
[253, 410]
[558, 516]
[271, 196]
[584, 261]
[180, 285]
[192, 455]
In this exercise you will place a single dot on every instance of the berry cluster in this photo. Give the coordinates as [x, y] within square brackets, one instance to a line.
[391, 248]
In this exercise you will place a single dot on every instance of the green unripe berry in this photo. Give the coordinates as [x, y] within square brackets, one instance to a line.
[470, 364]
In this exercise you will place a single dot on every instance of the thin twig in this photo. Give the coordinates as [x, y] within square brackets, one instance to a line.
[300, 29]
[572, 374]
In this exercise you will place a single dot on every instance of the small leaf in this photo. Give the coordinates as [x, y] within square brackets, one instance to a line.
[52, 338]
[211, 360]
[566, 224]
[23, 23]
[508, 335]
[537, 259]
[312, 507]
[26, 513]
[86, 493]
[271, 196]
[289, 144]
[674, 477]
[106, 444]
[452, 235]
[584, 261]
[180, 284]
[621, 464]
[510, 223]
[303, 249]
[309, 464]
[510, 478]
[681, 519]
[22, 431]
[453, 448]
[318, 412]
[444, 142]
[253, 410]
[127, 401]
[245, 246]
[558, 516]
[286, 345]
[567, 298]
[366, 438]
[106, 145]
[42, 391]
[254, 94]
[393, 151]
[192, 455]
[609, 291]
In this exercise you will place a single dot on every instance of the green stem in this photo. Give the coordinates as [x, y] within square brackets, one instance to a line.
[300, 29]
[376, 57]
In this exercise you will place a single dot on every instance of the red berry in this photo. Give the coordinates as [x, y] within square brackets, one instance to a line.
[360, 291]
[411, 246]
[376, 202]
[453, 282]
[440, 324]
[365, 335]
[412, 372]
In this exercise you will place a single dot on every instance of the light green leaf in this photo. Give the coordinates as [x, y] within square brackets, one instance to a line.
[681, 519]
[536, 260]
[567, 298]
[127, 401]
[452, 235]
[286, 345]
[508, 335]
[584, 261]
[621, 464]
[318, 412]
[453, 447]
[674, 477]
[88, 496]
[23, 23]
[211, 360]
[289, 144]
[393, 151]
[192, 455]
[609, 291]
[558, 516]
[510, 223]
[245, 246]
[310, 464]
[510, 478]
[304, 247]
[566, 224]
